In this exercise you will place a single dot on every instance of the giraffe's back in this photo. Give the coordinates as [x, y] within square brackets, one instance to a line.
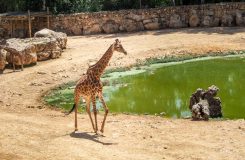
[88, 86]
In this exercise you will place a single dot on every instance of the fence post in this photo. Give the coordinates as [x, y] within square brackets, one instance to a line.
[29, 21]
[48, 17]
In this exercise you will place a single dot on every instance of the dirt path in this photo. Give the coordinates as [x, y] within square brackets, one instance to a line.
[30, 130]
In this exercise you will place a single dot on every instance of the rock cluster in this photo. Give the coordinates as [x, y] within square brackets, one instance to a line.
[46, 44]
[204, 104]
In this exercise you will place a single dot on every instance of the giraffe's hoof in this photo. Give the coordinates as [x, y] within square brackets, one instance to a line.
[102, 131]
[76, 129]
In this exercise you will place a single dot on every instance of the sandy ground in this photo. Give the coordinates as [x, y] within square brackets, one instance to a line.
[31, 130]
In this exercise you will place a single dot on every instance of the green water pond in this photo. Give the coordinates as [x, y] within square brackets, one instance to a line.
[166, 88]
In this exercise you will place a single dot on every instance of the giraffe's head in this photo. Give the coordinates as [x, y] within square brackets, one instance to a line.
[118, 47]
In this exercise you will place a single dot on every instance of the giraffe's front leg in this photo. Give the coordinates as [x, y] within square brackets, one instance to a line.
[95, 113]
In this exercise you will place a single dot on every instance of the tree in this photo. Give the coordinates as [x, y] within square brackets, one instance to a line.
[72, 6]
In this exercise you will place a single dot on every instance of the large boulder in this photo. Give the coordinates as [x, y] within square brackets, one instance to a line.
[134, 17]
[32, 49]
[110, 27]
[152, 26]
[175, 21]
[92, 29]
[210, 21]
[132, 26]
[20, 47]
[2, 59]
[240, 18]
[46, 48]
[76, 30]
[227, 20]
[194, 20]
[60, 37]
[46, 44]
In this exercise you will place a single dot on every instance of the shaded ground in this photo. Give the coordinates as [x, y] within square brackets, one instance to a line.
[31, 130]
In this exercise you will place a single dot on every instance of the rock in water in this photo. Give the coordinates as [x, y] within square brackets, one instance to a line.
[204, 104]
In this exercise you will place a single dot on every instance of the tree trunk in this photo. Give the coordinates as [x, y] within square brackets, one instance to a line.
[44, 5]
[173, 2]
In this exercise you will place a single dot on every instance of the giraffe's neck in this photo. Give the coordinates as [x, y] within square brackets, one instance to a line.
[98, 68]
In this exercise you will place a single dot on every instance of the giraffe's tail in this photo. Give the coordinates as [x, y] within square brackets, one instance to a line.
[74, 105]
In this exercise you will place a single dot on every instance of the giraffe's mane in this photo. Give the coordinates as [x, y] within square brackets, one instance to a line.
[92, 66]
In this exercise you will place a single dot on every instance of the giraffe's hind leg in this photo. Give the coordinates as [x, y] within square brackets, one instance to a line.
[95, 113]
[89, 112]
[106, 111]
[76, 116]
[77, 99]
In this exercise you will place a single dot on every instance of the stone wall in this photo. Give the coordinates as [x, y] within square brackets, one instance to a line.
[208, 15]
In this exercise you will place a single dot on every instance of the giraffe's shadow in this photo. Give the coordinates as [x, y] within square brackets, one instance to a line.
[90, 136]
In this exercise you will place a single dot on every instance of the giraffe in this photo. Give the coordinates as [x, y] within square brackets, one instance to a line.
[90, 86]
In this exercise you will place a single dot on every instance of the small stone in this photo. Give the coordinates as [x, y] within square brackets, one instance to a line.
[162, 114]
[65, 76]
[40, 72]
[30, 107]
[35, 84]
[39, 107]
[150, 136]
[165, 147]
[187, 117]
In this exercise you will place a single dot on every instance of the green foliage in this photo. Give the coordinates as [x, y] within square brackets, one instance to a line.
[133, 4]
[73, 6]
[56, 6]
[171, 58]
